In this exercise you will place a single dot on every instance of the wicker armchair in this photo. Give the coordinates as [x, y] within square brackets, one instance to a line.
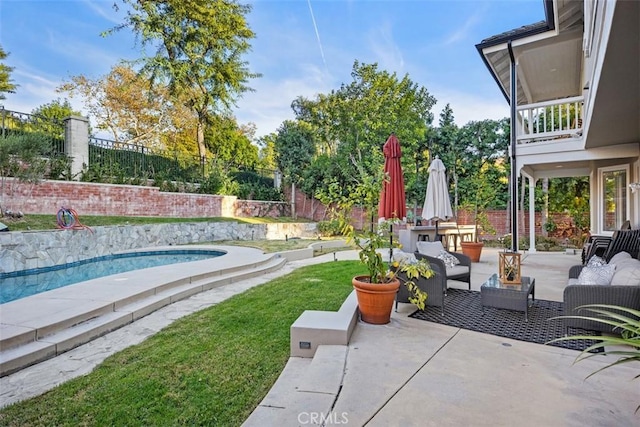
[461, 272]
[435, 287]
[578, 295]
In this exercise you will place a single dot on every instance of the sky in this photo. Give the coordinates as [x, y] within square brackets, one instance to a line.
[302, 48]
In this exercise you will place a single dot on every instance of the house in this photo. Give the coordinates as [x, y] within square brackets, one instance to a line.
[576, 109]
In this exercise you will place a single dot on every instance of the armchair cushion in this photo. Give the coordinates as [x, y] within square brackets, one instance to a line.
[432, 249]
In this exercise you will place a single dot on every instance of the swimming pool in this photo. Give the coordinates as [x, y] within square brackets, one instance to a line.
[24, 283]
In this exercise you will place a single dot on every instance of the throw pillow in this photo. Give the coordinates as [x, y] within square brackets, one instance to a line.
[629, 276]
[596, 261]
[404, 257]
[449, 260]
[597, 275]
[430, 248]
[620, 256]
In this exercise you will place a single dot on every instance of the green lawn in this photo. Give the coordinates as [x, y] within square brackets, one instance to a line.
[210, 368]
[48, 222]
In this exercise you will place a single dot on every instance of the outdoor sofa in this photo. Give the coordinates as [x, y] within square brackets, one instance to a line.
[616, 282]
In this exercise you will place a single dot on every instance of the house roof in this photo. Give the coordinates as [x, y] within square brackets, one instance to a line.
[541, 49]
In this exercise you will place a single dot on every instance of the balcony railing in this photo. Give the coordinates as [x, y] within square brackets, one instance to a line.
[550, 120]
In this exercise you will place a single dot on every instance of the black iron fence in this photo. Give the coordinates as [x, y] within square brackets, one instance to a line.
[122, 162]
[21, 124]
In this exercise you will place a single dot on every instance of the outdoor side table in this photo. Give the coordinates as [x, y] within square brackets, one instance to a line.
[494, 293]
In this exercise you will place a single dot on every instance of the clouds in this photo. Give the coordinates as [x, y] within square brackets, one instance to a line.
[299, 50]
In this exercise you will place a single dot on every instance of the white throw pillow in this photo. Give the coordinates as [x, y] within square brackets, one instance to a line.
[619, 257]
[404, 257]
[449, 260]
[597, 275]
[430, 248]
[596, 261]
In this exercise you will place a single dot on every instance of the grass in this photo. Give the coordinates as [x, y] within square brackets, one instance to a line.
[48, 222]
[270, 246]
[210, 368]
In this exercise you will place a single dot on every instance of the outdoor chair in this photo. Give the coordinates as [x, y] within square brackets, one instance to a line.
[452, 265]
[623, 241]
[435, 287]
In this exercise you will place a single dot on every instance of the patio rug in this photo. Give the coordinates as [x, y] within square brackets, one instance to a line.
[463, 309]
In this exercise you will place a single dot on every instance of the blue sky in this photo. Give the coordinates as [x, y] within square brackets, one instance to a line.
[302, 47]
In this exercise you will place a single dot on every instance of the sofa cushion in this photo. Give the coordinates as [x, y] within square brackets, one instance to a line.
[432, 249]
[449, 260]
[597, 275]
[627, 273]
[620, 256]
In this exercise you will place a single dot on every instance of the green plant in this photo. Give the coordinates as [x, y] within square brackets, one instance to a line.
[329, 228]
[625, 320]
[364, 192]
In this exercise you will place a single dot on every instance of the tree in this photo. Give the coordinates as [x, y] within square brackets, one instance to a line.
[447, 146]
[6, 84]
[198, 52]
[295, 148]
[124, 104]
[229, 144]
[50, 117]
[352, 123]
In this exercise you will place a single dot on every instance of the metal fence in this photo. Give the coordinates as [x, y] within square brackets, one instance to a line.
[16, 123]
[125, 162]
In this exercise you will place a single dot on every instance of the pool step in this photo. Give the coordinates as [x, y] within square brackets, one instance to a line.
[38, 338]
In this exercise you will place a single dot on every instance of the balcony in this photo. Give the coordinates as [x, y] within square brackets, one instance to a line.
[549, 121]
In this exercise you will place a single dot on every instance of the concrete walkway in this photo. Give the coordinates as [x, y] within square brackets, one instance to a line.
[409, 372]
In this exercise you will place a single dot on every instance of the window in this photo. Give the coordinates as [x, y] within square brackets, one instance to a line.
[613, 197]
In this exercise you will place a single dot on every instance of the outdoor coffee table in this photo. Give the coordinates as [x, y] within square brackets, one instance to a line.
[494, 293]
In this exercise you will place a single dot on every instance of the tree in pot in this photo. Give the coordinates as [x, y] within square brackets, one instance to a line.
[377, 288]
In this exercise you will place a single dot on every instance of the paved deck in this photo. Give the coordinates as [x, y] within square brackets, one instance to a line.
[409, 372]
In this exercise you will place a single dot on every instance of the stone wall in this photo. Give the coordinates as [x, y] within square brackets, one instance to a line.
[20, 250]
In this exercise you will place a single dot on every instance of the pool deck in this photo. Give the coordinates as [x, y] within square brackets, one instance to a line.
[409, 372]
[45, 325]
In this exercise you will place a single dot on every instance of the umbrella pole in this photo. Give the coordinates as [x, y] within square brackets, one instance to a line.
[437, 237]
[390, 242]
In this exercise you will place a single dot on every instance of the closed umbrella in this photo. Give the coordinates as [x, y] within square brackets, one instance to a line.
[437, 205]
[392, 197]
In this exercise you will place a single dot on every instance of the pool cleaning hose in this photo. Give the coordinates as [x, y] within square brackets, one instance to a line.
[67, 219]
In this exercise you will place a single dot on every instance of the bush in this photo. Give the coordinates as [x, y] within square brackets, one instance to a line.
[329, 228]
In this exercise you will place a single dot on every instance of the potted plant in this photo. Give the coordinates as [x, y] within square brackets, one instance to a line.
[481, 222]
[377, 286]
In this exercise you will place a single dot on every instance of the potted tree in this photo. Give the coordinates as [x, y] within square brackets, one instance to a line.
[377, 286]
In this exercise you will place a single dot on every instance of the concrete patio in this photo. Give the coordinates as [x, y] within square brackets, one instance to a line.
[409, 372]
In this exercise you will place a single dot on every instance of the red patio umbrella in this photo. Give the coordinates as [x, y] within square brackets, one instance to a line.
[392, 197]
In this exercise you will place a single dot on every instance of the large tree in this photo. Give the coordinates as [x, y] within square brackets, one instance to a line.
[352, 123]
[198, 47]
[6, 84]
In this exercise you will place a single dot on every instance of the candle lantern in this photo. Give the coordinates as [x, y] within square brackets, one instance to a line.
[509, 268]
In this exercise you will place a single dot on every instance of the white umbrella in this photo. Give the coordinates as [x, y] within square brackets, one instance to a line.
[437, 205]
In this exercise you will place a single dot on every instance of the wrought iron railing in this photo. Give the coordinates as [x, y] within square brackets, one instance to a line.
[16, 123]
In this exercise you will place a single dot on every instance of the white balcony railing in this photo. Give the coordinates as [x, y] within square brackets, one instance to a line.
[550, 120]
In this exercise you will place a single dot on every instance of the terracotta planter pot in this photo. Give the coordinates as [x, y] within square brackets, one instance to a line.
[375, 300]
[472, 250]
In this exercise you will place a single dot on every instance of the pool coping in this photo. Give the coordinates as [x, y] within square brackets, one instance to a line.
[41, 326]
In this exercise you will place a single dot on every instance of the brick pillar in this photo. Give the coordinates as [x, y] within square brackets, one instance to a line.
[76, 143]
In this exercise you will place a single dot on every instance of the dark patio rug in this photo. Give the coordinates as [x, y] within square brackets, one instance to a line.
[463, 309]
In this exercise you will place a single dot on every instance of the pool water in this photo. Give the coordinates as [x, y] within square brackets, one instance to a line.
[21, 284]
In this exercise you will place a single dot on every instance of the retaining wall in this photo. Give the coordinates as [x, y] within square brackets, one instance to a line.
[20, 250]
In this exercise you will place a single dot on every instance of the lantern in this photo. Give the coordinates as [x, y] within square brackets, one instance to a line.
[509, 268]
